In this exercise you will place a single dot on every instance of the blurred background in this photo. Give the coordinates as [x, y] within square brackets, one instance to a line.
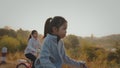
[93, 31]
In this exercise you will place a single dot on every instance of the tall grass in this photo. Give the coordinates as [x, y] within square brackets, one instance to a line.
[15, 56]
[96, 63]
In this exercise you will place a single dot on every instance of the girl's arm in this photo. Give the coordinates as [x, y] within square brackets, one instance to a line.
[44, 57]
[68, 60]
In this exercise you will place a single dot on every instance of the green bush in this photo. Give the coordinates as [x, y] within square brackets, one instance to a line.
[9, 42]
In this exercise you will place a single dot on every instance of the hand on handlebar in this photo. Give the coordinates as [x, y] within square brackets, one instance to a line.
[83, 64]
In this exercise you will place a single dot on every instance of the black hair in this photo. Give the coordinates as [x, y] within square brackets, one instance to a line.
[57, 22]
[33, 31]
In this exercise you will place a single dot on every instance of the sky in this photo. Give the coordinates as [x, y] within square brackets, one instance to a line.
[85, 17]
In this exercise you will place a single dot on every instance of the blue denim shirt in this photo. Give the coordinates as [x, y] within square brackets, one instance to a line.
[53, 54]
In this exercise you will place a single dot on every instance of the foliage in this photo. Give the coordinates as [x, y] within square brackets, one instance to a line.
[94, 54]
[10, 32]
[71, 41]
[97, 52]
[9, 42]
[13, 40]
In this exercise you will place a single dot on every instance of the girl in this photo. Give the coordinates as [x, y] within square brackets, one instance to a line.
[33, 45]
[53, 53]
[4, 54]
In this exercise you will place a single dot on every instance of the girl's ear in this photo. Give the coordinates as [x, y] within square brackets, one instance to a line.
[54, 30]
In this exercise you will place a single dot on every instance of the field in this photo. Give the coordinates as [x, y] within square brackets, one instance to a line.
[12, 62]
[102, 52]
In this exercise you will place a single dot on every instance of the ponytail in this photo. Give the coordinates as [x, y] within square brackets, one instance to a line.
[29, 37]
[47, 27]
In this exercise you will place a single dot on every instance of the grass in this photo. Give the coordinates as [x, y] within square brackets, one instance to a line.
[12, 60]
[8, 65]
[97, 63]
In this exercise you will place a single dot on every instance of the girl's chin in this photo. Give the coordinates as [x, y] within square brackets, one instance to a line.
[63, 36]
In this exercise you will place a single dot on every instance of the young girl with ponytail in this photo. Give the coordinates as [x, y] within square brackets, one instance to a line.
[31, 51]
[53, 53]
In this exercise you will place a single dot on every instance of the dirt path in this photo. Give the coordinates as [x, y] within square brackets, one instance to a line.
[8, 65]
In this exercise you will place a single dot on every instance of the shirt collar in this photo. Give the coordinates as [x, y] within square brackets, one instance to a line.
[33, 38]
[55, 37]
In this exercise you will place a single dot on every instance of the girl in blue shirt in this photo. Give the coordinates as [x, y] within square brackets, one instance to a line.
[53, 52]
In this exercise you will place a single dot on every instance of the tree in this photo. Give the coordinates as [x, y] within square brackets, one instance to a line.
[21, 34]
[71, 41]
[10, 32]
[9, 42]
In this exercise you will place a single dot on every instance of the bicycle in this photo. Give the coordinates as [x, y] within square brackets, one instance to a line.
[24, 63]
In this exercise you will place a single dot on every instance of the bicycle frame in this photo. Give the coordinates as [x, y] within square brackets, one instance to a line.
[26, 64]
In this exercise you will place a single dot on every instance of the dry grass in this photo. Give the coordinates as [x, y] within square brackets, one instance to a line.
[97, 63]
[15, 56]
[12, 60]
[8, 65]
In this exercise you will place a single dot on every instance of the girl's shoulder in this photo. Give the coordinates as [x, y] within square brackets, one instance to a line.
[30, 40]
[46, 42]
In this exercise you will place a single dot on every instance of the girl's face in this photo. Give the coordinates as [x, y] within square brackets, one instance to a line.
[35, 35]
[61, 32]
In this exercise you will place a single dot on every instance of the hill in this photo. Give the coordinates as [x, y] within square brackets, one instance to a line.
[105, 41]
